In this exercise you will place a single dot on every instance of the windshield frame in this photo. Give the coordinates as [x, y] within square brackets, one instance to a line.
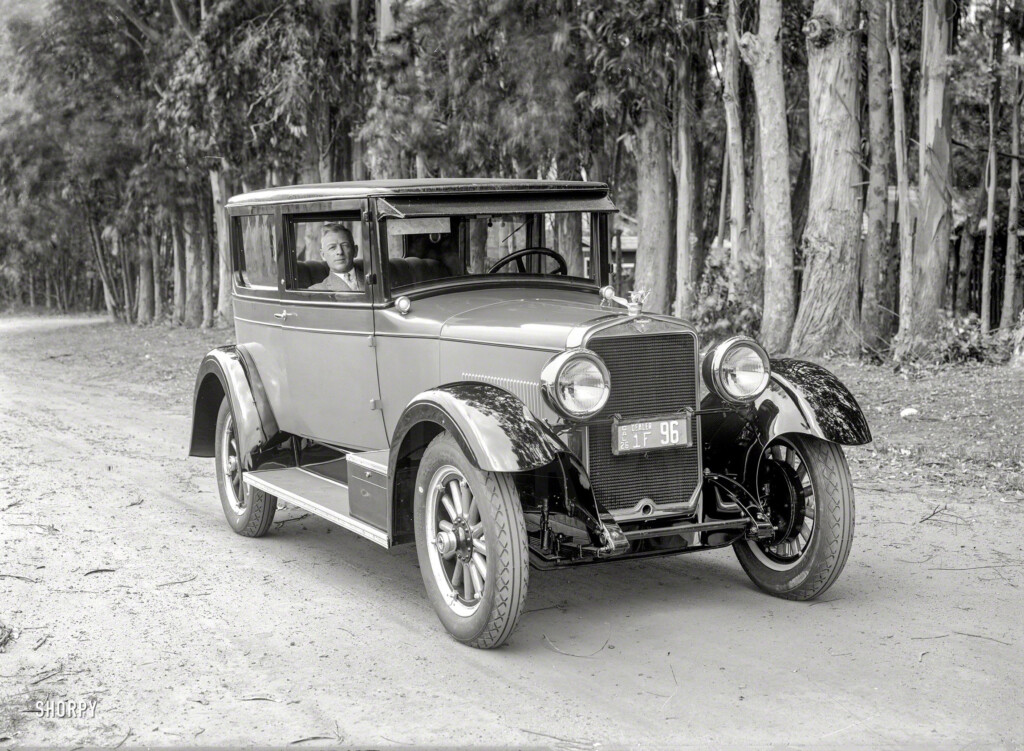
[600, 250]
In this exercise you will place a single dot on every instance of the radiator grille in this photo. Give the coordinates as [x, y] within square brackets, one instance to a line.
[651, 374]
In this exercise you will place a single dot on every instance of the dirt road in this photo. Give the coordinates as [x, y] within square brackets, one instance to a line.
[123, 584]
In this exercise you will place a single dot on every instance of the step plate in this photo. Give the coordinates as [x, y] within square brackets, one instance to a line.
[317, 495]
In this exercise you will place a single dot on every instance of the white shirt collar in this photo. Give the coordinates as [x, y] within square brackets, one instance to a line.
[349, 277]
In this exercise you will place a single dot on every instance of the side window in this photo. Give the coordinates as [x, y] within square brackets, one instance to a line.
[258, 261]
[328, 253]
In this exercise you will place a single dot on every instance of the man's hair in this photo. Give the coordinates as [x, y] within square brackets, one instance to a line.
[337, 227]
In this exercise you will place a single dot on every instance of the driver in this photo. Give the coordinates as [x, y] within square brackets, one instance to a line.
[339, 250]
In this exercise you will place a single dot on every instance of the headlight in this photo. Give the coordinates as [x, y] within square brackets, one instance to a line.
[737, 370]
[576, 383]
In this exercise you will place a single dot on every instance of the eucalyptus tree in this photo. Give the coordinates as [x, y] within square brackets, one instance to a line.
[828, 314]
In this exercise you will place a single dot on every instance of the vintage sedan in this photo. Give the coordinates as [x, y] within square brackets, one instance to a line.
[445, 363]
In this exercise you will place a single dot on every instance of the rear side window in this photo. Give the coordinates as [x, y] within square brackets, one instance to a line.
[258, 259]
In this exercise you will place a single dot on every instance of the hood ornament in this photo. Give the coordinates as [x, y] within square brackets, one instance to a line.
[634, 305]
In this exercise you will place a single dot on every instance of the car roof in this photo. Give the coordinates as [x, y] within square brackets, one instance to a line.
[426, 186]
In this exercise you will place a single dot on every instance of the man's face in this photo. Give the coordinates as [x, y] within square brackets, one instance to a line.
[338, 251]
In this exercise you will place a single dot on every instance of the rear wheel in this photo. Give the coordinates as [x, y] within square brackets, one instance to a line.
[806, 483]
[248, 511]
[472, 546]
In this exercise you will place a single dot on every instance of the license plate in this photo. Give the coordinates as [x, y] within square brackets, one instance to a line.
[650, 435]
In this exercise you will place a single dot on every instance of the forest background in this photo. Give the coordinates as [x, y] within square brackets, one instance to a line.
[830, 176]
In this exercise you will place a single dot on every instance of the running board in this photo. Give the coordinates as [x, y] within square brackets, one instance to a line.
[316, 494]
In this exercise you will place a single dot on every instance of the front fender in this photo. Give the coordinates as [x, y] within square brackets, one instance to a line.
[492, 426]
[801, 398]
[229, 371]
[806, 398]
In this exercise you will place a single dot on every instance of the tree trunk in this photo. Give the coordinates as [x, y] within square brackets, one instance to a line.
[219, 190]
[965, 267]
[144, 313]
[755, 222]
[32, 290]
[193, 316]
[118, 251]
[801, 199]
[158, 275]
[180, 282]
[569, 226]
[737, 165]
[763, 53]
[1009, 310]
[206, 250]
[478, 246]
[905, 217]
[99, 252]
[827, 318]
[723, 199]
[689, 260]
[995, 59]
[355, 29]
[654, 215]
[931, 240]
[876, 252]
[570, 241]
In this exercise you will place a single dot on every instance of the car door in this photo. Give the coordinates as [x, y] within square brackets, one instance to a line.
[330, 359]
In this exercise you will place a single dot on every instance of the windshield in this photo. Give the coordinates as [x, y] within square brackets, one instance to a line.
[513, 246]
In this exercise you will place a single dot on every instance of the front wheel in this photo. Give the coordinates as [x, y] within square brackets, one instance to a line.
[806, 484]
[472, 546]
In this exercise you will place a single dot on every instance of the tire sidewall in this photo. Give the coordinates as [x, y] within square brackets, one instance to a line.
[802, 579]
[441, 452]
[238, 522]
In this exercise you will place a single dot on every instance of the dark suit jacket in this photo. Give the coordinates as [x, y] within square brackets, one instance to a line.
[334, 283]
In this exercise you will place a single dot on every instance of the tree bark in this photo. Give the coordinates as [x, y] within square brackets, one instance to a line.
[827, 318]
[569, 226]
[158, 275]
[905, 217]
[654, 215]
[193, 316]
[874, 275]
[99, 252]
[763, 54]
[689, 260]
[995, 59]
[179, 280]
[219, 191]
[206, 254]
[965, 267]
[755, 222]
[1008, 315]
[931, 240]
[737, 164]
[144, 309]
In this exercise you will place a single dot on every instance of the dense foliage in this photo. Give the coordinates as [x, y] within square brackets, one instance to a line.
[125, 123]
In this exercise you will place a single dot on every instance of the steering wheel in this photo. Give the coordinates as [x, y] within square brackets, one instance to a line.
[519, 255]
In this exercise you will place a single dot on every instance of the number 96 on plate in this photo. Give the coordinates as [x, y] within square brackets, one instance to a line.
[650, 435]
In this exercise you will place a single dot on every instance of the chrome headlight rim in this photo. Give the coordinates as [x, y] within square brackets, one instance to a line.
[552, 371]
[713, 369]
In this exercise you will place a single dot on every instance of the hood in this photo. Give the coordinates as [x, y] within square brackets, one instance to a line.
[537, 323]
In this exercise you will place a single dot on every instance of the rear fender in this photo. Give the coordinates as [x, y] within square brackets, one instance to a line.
[230, 371]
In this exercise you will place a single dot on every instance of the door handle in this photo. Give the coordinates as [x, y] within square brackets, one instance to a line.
[283, 314]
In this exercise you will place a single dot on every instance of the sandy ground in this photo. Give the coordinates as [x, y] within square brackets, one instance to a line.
[124, 585]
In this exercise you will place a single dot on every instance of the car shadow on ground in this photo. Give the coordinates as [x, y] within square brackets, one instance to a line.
[651, 588]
